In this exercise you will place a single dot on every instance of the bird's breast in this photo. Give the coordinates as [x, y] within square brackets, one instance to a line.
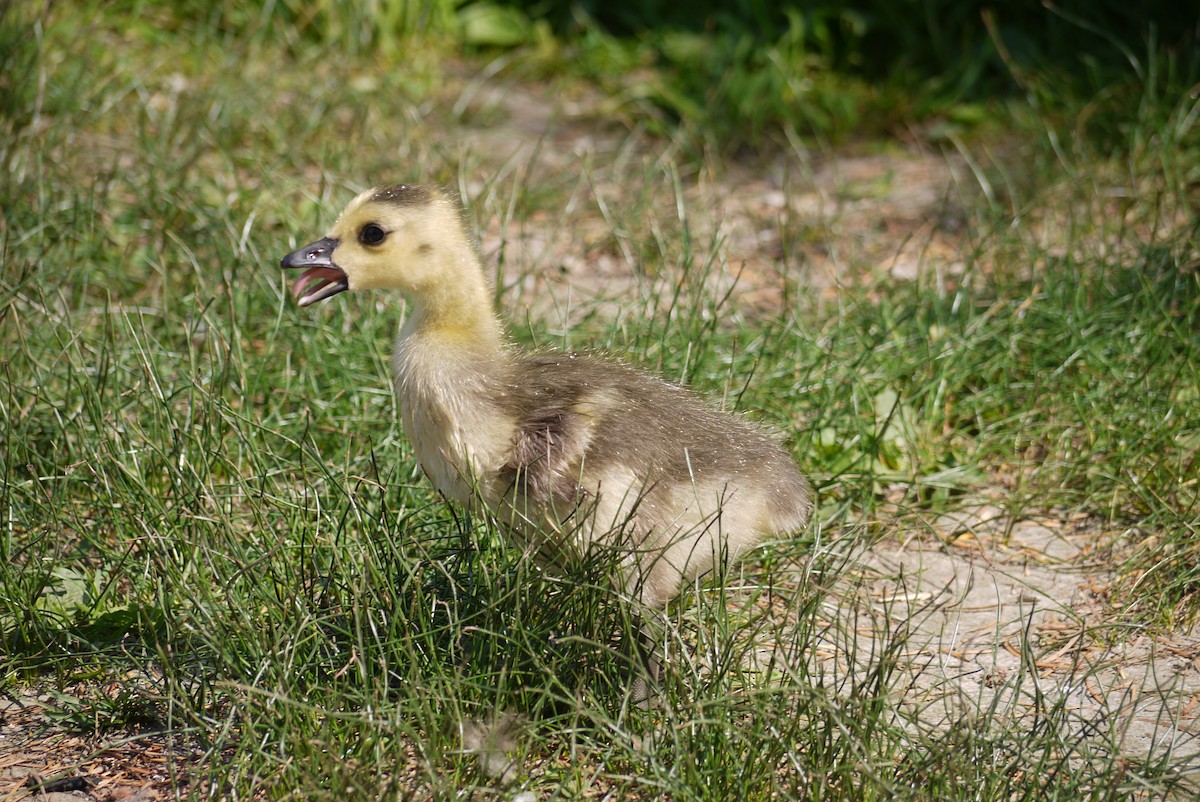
[457, 433]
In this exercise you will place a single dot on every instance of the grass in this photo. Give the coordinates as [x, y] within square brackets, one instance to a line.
[213, 526]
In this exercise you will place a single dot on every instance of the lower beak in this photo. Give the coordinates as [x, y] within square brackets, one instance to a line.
[322, 278]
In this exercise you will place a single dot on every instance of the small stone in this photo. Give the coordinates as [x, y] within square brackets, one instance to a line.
[775, 199]
[984, 518]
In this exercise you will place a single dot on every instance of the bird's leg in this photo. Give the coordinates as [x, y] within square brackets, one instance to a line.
[648, 666]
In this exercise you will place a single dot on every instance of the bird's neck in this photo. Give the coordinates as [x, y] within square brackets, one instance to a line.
[456, 314]
[470, 327]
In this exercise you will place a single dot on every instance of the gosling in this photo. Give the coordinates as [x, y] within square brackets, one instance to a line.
[569, 452]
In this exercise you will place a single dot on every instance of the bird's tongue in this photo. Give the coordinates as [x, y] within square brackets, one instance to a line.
[317, 283]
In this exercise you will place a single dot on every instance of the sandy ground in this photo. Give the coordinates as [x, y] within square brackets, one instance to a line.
[1008, 619]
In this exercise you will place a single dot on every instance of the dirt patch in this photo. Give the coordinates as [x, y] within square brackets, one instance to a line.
[41, 759]
[1010, 620]
[807, 221]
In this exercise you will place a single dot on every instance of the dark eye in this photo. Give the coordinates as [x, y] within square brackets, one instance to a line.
[371, 234]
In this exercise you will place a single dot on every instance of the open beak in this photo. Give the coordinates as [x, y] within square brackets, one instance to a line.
[322, 278]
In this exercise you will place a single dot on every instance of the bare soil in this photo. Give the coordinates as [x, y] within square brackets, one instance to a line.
[1008, 619]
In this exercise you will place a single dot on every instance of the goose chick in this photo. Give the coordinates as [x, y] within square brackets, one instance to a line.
[569, 451]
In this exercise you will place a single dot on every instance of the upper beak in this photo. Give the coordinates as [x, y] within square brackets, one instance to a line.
[325, 277]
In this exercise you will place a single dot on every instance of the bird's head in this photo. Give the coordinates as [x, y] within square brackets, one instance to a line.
[402, 237]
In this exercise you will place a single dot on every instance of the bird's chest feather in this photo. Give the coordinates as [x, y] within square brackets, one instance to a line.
[456, 431]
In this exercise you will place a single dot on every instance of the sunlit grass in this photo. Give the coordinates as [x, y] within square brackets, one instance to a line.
[207, 499]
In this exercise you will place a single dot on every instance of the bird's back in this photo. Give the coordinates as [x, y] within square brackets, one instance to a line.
[648, 456]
